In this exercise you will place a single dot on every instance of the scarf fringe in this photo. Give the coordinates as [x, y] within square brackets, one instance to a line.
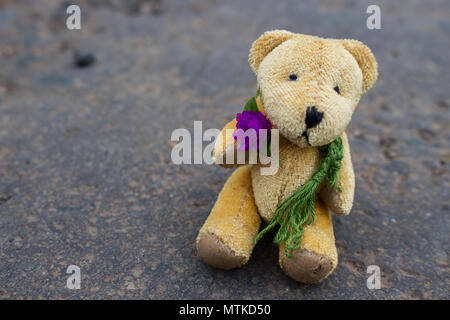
[297, 211]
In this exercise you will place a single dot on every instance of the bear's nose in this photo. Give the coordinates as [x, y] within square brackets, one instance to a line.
[313, 117]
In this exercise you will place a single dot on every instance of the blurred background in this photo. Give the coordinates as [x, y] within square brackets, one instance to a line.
[85, 171]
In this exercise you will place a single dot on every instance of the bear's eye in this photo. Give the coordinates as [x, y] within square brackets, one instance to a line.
[293, 77]
[337, 90]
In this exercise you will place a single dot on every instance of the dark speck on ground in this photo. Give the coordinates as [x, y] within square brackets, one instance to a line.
[83, 59]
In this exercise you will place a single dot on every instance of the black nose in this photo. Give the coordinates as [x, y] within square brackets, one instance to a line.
[313, 117]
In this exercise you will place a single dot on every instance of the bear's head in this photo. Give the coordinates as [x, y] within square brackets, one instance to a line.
[310, 86]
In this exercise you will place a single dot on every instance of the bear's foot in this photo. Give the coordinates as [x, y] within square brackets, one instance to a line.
[307, 267]
[317, 256]
[226, 239]
[217, 254]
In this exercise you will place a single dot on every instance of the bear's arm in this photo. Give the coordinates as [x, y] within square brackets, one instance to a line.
[226, 146]
[342, 202]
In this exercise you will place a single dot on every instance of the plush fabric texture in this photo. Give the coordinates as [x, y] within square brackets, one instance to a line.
[298, 210]
[295, 73]
[234, 223]
[317, 256]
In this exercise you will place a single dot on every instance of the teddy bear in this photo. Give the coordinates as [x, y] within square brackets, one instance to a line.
[308, 89]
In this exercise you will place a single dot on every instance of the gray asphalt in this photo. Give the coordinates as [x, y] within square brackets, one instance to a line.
[85, 171]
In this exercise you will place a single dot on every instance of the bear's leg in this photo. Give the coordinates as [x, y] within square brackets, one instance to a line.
[226, 239]
[317, 256]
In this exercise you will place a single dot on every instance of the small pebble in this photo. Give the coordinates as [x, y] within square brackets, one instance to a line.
[83, 59]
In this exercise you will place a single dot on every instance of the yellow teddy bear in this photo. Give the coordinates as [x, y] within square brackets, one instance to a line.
[308, 90]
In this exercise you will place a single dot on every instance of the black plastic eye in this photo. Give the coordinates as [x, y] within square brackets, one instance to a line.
[292, 77]
[337, 90]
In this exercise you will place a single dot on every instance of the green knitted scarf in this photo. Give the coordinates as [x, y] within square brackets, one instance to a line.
[297, 211]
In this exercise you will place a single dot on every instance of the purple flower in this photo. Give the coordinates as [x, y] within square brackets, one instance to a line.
[251, 120]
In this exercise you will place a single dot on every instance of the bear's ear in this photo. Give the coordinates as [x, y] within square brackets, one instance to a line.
[265, 44]
[365, 60]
